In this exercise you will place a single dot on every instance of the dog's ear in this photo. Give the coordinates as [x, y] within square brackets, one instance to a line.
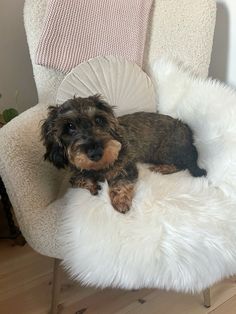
[55, 151]
[56, 154]
[101, 104]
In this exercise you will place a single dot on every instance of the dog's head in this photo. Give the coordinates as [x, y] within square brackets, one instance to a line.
[82, 132]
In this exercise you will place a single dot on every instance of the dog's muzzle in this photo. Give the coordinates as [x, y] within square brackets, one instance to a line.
[93, 155]
[94, 151]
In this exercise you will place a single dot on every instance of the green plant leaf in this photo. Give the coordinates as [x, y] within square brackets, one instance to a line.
[9, 114]
[2, 121]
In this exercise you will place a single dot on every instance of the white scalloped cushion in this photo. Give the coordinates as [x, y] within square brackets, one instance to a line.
[121, 83]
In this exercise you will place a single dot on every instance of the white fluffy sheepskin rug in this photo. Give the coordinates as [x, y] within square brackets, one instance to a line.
[181, 231]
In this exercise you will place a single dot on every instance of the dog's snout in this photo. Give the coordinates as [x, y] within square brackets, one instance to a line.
[95, 151]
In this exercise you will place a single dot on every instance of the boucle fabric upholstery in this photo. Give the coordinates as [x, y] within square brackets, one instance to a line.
[183, 29]
[31, 183]
[77, 30]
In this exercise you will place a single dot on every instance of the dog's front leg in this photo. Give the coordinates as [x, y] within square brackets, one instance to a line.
[85, 181]
[121, 187]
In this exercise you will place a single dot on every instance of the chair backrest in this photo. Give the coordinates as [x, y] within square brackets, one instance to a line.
[181, 29]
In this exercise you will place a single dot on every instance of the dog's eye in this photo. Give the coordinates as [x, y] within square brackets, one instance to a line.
[100, 121]
[70, 127]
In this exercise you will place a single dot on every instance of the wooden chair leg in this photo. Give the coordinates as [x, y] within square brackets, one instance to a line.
[56, 287]
[207, 297]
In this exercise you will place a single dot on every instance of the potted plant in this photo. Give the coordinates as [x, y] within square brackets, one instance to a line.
[7, 115]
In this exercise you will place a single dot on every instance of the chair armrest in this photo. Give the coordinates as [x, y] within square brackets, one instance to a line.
[31, 183]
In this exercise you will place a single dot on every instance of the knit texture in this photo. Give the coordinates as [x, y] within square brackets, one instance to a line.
[181, 29]
[77, 30]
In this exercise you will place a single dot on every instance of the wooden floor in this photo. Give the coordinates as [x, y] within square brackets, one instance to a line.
[25, 286]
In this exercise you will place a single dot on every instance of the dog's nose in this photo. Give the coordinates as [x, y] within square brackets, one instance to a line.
[95, 152]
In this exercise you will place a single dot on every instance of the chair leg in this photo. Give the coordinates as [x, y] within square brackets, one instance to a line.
[56, 287]
[207, 297]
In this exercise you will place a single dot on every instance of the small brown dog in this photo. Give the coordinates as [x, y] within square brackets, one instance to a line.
[85, 135]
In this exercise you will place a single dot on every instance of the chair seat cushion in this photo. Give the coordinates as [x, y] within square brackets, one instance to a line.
[181, 231]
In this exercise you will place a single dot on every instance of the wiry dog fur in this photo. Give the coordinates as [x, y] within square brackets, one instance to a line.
[85, 135]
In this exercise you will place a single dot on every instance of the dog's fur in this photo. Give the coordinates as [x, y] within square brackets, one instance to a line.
[85, 135]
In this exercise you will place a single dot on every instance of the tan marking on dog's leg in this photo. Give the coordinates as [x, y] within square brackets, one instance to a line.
[85, 183]
[121, 196]
[164, 169]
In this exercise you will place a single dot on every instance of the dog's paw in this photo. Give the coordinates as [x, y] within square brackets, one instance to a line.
[121, 197]
[86, 183]
[121, 205]
[75, 183]
[94, 188]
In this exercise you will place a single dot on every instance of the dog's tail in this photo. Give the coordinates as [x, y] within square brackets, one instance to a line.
[197, 172]
[191, 163]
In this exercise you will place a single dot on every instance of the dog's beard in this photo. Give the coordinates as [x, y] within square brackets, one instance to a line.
[110, 155]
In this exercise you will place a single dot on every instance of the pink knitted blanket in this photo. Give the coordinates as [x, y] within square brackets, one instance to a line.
[77, 30]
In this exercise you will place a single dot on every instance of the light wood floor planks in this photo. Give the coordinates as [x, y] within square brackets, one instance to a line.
[25, 287]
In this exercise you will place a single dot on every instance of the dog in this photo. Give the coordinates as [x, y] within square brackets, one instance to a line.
[84, 135]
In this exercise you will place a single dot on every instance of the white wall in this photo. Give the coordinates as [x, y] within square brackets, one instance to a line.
[15, 65]
[223, 62]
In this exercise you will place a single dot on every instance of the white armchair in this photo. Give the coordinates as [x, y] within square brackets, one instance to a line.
[183, 29]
